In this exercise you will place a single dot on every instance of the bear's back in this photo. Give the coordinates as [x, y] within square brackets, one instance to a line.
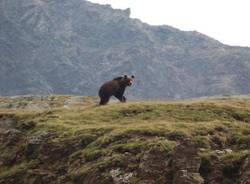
[109, 88]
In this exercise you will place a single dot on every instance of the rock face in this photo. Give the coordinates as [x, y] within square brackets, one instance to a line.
[245, 172]
[72, 47]
[186, 164]
[216, 175]
[154, 167]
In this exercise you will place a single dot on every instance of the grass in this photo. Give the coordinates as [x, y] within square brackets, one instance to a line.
[101, 134]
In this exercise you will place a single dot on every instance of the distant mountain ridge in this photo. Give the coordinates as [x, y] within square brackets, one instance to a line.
[71, 47]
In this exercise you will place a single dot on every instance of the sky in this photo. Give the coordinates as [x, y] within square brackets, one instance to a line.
[225, 20]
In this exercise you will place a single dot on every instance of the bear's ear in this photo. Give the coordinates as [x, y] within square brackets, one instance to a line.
[125, 76]
[132, 76]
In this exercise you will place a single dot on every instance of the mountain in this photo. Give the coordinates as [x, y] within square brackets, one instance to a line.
[72, 47]
[68, 139]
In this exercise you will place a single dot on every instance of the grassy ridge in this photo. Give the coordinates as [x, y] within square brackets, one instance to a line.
[76, 139]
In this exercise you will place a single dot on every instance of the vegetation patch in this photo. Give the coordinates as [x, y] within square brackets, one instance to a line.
[78, 141]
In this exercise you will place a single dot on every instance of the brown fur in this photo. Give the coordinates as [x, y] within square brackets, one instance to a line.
[115, 87]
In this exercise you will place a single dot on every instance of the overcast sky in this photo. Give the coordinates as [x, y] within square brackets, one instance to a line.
[225, 20]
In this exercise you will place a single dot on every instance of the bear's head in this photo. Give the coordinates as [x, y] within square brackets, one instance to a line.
[126, 81]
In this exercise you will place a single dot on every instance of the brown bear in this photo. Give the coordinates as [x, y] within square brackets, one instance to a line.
[115, 87]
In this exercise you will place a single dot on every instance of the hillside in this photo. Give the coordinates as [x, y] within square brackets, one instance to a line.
[71, 47]
[69, 139]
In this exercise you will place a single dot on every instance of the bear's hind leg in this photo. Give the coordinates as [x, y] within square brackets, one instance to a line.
[104, 101]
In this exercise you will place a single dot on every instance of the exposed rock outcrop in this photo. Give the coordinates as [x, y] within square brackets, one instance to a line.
[154, 167]
[186, 164]
[245, 172]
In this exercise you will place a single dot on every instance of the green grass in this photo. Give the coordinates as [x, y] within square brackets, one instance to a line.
[100, 135]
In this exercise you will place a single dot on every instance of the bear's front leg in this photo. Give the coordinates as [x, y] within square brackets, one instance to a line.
[121, 98]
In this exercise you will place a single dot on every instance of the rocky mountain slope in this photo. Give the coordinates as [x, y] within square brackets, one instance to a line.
[69, 139]
[71, 47]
